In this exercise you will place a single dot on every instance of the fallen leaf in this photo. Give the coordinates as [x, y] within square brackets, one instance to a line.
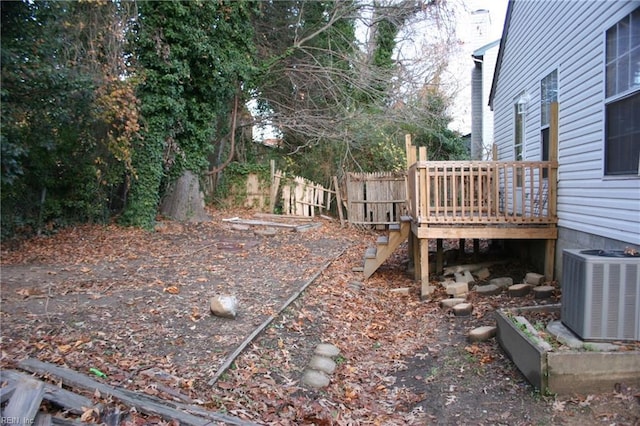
[171, 290]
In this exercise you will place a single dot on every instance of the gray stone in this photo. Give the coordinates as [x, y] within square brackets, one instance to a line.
[488, 290]
[224, 306]
[240, 227]
[315, 379]
[502, 282]
[402, 291]
[482, 334]
[483, 273]
[462, 309]
[457, 289]
[464, 277]
[266, 232]
[534, 279]
[450, 303]
[322, 363]
[519, 290]
[327, 349]
[358, 269]
[533, 334]
[567, 338]
[543, 291]
[564, 335]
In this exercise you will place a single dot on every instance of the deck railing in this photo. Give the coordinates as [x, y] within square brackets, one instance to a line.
[482, 192]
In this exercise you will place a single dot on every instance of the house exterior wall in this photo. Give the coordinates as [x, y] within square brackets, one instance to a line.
[594, 210]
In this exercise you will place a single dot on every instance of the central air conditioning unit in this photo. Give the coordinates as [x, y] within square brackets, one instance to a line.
[601, 294]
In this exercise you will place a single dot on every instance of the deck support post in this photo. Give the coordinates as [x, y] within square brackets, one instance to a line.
[461, 244]
[422, 267]
[549, 259]
[411, 242]
[476, 249]
[439, 256]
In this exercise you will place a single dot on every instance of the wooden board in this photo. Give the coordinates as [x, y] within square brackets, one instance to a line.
[185, 414]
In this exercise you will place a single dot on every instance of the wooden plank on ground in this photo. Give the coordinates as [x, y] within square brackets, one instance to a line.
[71, 402]
[25, 401]
[167, 410]
[259, 222]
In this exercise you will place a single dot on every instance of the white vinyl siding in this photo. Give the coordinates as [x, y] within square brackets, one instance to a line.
[572, 40]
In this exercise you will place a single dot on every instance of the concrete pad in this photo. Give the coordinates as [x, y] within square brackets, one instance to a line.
[482, 334]
[543, 291]
[488, 290]
[450, 303]
[534, 279]
[519, 290]
[502, 282]
[463, 309]
[482, 274]
[464, 277]
[457, 289]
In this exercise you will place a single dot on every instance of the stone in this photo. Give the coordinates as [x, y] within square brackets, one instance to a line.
[327, 349]
[564, 335]
[403, 291]
[315, 379]
[488, 290]
[534, 279]
[532, 333]
[450, 303]
[266, 232]
[502, 282]
[225, 306]
[464, 277]
[457, 289]
[358, 269]
[463, 309]
[482, 334]
[483, 273]
[519, 290]
[543, 291]
[322, 363]
[240, 227]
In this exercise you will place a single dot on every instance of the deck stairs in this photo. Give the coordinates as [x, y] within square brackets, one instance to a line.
[386, 245]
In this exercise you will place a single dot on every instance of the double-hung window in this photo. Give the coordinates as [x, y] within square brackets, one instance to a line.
[518, 141]
[622, 97]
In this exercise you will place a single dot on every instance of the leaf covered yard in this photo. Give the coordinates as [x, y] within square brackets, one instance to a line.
[130, 309]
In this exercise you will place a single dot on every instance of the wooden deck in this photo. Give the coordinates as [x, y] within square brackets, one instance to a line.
[480, 200]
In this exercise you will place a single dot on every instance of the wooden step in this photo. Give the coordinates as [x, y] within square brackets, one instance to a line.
[383, 240]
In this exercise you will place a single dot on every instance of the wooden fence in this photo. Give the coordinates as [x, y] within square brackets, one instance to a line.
[376, 198]
[300, 196]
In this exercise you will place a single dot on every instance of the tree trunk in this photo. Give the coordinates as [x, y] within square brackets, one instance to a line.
[185, 202]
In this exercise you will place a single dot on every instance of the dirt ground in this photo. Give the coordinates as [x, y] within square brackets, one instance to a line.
[135, 305]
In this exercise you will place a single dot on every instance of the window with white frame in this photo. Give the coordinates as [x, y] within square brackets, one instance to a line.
[548, 95]
[518, 140]
[622, 103]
